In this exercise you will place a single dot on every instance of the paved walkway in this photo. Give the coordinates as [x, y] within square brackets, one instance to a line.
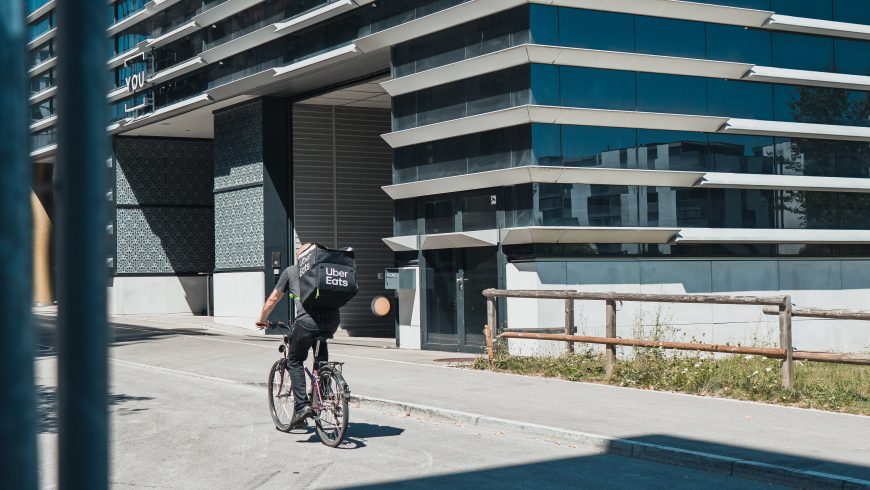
[798, 438]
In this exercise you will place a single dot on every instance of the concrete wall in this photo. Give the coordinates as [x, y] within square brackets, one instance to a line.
[144, 295]
[816, 283]
[238, 297]
[251, 207]
[163, 225]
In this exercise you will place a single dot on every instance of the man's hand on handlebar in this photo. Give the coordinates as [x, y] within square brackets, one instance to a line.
[262, 325]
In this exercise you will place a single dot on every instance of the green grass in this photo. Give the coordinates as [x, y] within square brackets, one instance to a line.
[833, 387]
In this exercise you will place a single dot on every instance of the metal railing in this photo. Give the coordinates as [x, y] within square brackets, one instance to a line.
[780, 306]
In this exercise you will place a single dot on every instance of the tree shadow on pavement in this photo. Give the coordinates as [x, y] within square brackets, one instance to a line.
[46, 406]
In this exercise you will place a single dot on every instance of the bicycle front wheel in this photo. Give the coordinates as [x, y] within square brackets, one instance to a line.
[331, 421]
[281, 403]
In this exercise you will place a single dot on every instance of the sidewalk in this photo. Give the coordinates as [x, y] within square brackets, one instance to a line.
[802, 439]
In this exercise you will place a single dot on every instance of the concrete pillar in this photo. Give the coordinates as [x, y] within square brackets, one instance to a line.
[42, 289]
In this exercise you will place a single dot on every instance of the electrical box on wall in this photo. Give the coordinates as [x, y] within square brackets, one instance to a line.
[405, 278]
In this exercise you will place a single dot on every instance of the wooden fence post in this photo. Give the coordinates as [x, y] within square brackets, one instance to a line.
[569, 324]
[610, 349]
[491, 329]
[785, 342]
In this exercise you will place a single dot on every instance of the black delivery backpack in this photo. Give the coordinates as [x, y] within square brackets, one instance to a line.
[327, 278]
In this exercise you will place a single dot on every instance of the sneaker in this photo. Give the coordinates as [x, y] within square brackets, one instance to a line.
[301, 414]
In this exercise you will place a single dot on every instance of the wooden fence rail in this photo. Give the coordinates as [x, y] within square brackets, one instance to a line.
[774, 305]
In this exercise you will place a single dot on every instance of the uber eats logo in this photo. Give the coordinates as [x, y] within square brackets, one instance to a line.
[335, 277]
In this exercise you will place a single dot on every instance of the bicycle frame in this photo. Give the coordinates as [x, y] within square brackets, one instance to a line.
[312, 374]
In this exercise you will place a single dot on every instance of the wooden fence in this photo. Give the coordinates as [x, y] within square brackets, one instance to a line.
[780, 306]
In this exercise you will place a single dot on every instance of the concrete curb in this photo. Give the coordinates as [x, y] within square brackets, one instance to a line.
[769, 473]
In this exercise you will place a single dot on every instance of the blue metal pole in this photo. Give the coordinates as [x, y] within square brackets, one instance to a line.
[80, 190]
[18, 467]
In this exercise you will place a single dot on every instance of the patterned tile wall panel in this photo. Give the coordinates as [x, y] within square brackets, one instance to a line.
[164, 171]
[238, 146]
[239, 229]
[165, 213]
[165, 240]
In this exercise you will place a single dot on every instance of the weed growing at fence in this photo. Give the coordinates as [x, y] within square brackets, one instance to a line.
[834, 387]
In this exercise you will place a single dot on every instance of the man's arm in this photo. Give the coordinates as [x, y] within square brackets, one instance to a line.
[270, 304]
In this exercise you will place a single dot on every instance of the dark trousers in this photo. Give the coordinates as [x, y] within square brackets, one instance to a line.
[303, 339]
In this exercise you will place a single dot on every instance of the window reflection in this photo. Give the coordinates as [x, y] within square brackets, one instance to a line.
[609, 205]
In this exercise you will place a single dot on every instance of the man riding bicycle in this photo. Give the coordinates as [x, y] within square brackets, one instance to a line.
[307, 326]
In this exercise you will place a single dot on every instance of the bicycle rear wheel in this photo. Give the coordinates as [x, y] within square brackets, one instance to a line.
[331, 421]
[281, 403]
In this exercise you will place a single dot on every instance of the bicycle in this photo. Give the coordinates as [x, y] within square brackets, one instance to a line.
[329, 394]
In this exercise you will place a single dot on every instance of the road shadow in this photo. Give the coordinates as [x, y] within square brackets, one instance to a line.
[357, 432]
[652, 465]
[46, 407]
[120, 334]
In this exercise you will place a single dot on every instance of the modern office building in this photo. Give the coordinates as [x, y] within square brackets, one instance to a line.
[637, 145]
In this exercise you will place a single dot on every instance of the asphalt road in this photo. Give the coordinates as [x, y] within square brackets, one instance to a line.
[174, 428]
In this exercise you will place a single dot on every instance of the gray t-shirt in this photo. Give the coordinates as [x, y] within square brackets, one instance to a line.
[288, 283]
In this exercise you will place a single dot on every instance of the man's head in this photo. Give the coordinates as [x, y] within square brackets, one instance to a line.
[302, 248]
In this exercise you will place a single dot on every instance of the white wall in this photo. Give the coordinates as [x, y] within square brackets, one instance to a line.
[238, 297]
[831, 284]
[142, 295]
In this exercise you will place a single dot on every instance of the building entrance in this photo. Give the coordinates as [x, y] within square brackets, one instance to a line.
[455, 309]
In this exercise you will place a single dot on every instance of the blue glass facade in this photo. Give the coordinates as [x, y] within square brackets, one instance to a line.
[573, 205]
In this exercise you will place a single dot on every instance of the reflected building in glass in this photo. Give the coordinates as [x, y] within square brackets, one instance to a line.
[717, 146]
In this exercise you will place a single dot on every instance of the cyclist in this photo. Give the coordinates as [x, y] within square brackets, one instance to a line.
[307, 326]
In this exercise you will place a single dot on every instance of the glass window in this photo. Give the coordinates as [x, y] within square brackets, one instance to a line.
[438, 160]
[670, 37]
[546, 144]
[740, 44]
[814, 9]
[588, 146]
[519, 206]
[597, 89]
[853, 158]
[672, 150]
[40, 26]
[734, 98]
[405, 164]
[852, 56]
[544, 25]
[439, 217]
[802, 52]
[741, 154]
[32, 5]
[596, 29]
[853, 11]
[671, 94]
[126, 8]
[819, 105]
[41, 110]
[406, 218]
[545, 84]
[42, 53]
[44, 138]
[440, 104]
[479, 212]
[42, 81]
[804, 156]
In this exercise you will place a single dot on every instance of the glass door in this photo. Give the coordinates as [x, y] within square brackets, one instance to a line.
[455, 306]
